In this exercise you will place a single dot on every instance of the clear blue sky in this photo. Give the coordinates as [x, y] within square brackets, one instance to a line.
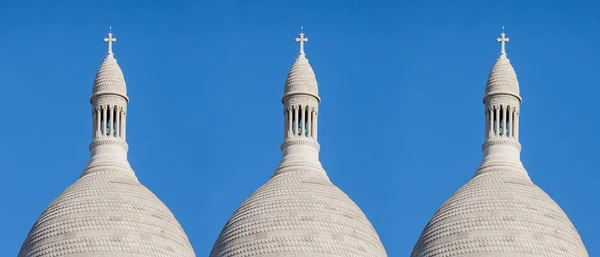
[401, 122]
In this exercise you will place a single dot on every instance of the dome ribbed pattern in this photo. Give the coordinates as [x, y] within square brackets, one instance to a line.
[109, 79]
[502, 78]
[298, 213]
[301, 79]
[107, 213]
[497, 214]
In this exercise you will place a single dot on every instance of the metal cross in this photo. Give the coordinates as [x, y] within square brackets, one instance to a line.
[110, 40]
[503, 40]
[301, 40]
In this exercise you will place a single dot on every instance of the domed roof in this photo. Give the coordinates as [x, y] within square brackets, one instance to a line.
[301, 79]
[109, 79]
[298, 213]
[502, 78]
[107, 212]
[500, 213]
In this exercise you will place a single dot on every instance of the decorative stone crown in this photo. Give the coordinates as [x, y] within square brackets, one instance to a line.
[301, 79]
[109, 79]
[502, 79]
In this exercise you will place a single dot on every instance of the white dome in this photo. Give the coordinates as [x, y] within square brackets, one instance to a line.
[109, 79]
[502, 79]
[298, 213]
[107, 212]
[500, 213]
[301, 79]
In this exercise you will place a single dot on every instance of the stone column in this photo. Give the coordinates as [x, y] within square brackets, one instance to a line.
[490, 114]
[295, 128]
[289, 121]
[517, 125]
[303, 125]
[316, 121]
[103, 120]
[510, 121]
[487, 124]
[124, 124]
[497, 120]
[285, 123]
[118, 122]
[93, 123]
[309, 122]
[505, 119]
[111, 109]
[313, 121]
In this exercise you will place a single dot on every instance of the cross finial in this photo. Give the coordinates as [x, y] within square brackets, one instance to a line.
[110, 40]
[301, 40]
[503, 40]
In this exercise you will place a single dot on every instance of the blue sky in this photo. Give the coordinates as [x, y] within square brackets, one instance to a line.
[401, 119]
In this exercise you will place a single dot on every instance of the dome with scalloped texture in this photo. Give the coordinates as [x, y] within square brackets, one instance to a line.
[301, 79]
[502, 78]
[109, 79]
[298, 213]
[500, 213]
[107, 212]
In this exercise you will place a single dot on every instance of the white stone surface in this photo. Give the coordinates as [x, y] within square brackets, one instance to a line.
[299, 212]
[500, 212]
[107, 212]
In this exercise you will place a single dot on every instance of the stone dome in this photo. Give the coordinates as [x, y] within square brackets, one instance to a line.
[298, 213]
[500, 213]
[502, 79]
[107, 212]
[301, 79]
[109, 79]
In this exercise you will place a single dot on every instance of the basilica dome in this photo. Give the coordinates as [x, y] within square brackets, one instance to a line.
[299, 212]
[107, 212]
[500, 212]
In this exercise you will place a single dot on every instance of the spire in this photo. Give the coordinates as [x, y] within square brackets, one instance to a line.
[301, 110]
[503, 40]
[110, 40]
[301, 40]
[502, 110]
[109, 112]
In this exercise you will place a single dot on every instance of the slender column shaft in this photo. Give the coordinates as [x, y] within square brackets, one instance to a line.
[490, 114]
[93, 123]
[124, 124]
[103, 120]
[295, 128]
[118, 122]
[285, 124]
[517, 125]
[510, 121]
[98, 122]
[303, 125]
[497, 118]
[504, 120]
[309, 122]
[111, 132]
[487, 124]
[312, 123]
[289, 121]
[316, 121]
